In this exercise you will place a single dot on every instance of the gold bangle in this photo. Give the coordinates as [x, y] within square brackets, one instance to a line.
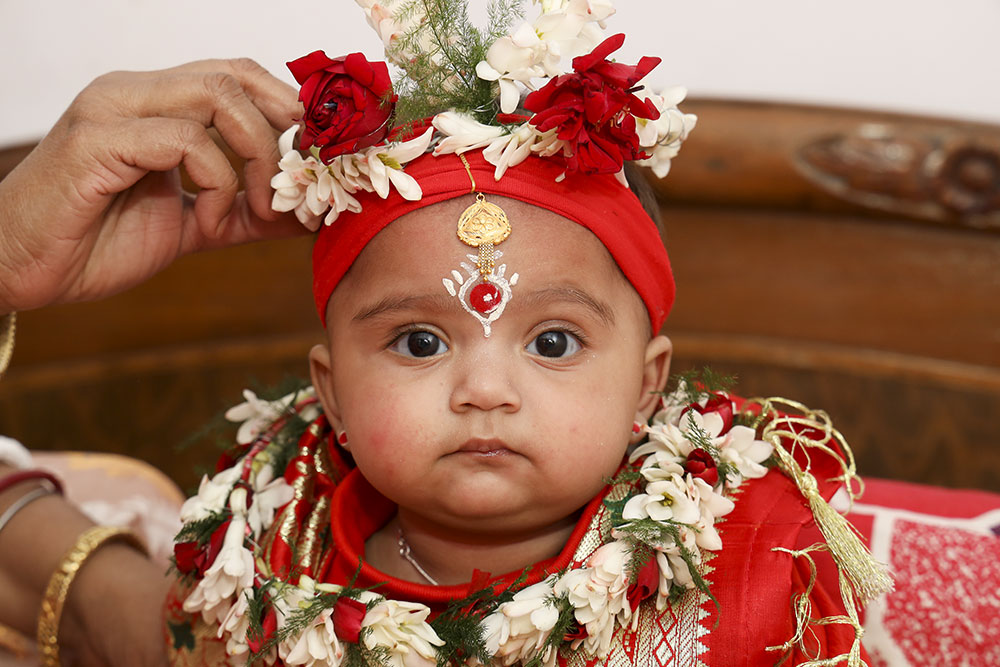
[58, 588]
[13, 642]
[7, 329]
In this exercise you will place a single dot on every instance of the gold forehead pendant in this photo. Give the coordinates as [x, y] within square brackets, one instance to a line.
[486, 291]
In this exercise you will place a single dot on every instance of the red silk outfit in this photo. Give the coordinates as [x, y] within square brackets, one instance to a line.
[752, 584]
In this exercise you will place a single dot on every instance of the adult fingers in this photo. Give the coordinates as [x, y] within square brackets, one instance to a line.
[129, 94]
[215, 99]
[277, 100]
[242, 225]
[161, 144]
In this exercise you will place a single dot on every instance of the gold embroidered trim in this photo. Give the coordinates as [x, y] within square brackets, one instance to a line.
[310, 539]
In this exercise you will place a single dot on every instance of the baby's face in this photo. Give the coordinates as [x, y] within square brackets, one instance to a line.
[507, 432]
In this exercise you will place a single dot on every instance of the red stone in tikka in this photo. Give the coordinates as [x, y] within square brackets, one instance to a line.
[485, 297]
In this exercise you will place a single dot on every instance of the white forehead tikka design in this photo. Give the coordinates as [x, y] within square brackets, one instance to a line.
[486, 291]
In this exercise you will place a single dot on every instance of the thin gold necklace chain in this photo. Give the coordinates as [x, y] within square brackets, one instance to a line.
[407, 554]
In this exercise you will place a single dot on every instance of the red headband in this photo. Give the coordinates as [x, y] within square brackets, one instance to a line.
[598, 202]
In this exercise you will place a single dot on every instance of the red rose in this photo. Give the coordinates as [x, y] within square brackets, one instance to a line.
[646, 584]
[702, 466]
[348, 103]
[348, 614]
[595, 109]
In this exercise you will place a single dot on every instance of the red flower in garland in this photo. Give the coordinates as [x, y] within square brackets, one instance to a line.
[192, 558]
[718, 404]
[348, 614]
[702, 466]
[188, 558]
[647, 583]
[348, 102]
[576, 631]
[594, 109]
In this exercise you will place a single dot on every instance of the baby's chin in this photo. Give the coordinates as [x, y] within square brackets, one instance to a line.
[483, 506]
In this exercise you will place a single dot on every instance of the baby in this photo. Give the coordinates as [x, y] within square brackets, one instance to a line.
[489, 446]
[457, 485]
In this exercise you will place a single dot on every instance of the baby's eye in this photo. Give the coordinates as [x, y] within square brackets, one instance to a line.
[419, 344]
[554, 344]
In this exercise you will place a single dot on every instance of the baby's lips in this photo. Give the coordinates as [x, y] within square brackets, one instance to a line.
[484, 446]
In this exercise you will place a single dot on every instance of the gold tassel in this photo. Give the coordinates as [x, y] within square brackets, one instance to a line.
[861, 577]
[803, 617]
[802, 606]
[867, 577]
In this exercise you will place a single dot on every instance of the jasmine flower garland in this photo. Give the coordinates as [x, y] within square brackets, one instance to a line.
[654, 551]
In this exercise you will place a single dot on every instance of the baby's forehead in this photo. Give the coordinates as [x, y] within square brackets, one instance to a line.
[535, 231]
[550, 259]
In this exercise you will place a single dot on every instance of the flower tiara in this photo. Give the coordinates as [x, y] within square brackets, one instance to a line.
[502, 90]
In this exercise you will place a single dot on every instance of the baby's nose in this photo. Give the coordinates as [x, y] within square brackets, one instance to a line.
[484, 382]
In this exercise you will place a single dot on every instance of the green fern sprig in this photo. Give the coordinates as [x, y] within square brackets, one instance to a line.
[201, 530]
[460, 624]
[644, 535]
[463, 637]
[303, 617]
[565, 622]
[444, 76]
[699, 384]
[257, 605]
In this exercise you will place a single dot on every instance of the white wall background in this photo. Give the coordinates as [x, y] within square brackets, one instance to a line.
[923, 56]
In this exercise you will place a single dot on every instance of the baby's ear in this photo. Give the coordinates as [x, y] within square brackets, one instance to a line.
[655, 372]
[321, 370]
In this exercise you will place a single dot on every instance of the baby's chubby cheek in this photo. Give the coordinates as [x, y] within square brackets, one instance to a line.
[385, 439]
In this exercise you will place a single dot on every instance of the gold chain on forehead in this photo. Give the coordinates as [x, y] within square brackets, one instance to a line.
[482, 226]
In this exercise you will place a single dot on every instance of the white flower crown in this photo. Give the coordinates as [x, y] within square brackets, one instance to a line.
[359, 130]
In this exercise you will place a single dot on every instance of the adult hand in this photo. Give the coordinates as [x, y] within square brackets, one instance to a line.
[114, 612]
[98, 207]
